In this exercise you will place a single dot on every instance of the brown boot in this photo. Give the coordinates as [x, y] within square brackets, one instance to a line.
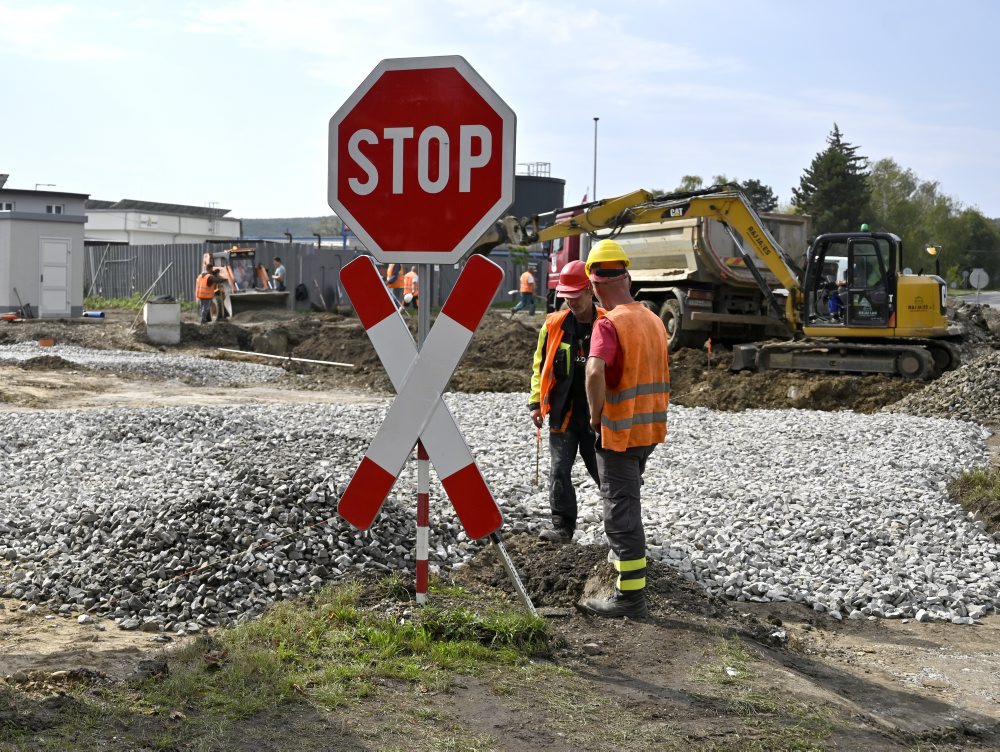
[557, 535]
[631, 604]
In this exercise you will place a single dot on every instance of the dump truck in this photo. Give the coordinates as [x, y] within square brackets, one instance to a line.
[247, 286]
[881, 318]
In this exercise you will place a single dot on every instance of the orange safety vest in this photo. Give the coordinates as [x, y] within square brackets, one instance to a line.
[635, 410]
[392, 271]
[410, 283]
[205, 287]
[527, 282]
[543, 374]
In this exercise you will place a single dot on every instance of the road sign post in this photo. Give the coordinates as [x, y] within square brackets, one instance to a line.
[421, 164]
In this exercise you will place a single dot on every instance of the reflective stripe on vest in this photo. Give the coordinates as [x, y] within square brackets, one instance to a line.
[204, 288]
[635, 410]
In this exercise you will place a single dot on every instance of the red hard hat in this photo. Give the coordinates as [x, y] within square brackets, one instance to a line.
[573, 280]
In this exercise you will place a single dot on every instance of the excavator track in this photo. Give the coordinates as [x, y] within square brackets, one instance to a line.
[909, 359]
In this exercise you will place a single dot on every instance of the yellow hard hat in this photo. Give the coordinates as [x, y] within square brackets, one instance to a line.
[605, 251]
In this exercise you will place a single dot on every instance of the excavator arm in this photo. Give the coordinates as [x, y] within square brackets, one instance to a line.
[727, 206]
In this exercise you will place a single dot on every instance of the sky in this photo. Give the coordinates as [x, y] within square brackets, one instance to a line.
[228, 104]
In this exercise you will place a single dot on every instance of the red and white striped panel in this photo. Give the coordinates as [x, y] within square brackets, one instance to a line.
[418, 411]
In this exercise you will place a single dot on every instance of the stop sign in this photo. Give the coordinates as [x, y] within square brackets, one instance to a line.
[421, 159]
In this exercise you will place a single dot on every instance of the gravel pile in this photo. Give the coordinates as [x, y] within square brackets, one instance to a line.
[191, 370]
[970, 393]
[184, 517]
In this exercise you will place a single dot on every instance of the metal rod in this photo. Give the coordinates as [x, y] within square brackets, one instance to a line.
[508, 564]
[286, 357]
[142, 300]
[423, 459]
[595, 159]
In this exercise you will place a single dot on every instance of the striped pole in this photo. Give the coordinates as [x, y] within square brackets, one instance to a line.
[423, 520]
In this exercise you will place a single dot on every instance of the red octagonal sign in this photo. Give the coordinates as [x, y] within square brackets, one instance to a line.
[422, 159]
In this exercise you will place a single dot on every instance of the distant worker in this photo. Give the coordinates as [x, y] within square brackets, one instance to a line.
[527, 290]
[207, 287]
[411, 288]
[628, 390]
[279, 276]
[394, 281]
[558, 389]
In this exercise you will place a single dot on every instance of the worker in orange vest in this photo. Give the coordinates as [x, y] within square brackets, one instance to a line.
[628, 390]
[394, 281]
[207, 286]
[558, 390]
[527, 290]
[411, 288]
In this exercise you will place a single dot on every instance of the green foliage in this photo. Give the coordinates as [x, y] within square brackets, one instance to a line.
[132, 303]
[978, 491]
[834, 188]
[761, 196]
[921, 215]
[689, 183]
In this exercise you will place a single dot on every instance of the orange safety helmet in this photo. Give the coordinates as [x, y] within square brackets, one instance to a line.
[573, 280]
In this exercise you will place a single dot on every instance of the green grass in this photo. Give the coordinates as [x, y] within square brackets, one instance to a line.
[979, 491]
[133, 303]
[734, 689]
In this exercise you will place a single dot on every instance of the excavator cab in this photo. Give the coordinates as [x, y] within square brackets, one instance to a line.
[849, 280]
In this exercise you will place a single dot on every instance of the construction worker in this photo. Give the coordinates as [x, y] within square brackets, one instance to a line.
[558, 390]
[394, 281]
[279, 277]
[628, 390]
[411, 288]
[207, 286]
[527, 290]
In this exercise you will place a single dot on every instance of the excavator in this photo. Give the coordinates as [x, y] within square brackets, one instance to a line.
[853, 308]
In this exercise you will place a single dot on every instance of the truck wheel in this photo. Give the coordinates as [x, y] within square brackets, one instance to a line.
[670, 315]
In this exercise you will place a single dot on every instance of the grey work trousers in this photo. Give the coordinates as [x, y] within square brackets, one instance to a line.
[621, 480]
[563, 448]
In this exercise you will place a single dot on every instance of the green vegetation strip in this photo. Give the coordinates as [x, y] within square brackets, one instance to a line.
[979, 491]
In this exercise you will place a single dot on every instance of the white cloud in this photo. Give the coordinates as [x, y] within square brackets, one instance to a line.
[51, 32]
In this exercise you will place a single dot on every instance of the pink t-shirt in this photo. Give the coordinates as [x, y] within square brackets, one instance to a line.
[604, 345]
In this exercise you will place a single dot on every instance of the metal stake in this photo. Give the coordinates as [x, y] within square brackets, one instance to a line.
[508, 564]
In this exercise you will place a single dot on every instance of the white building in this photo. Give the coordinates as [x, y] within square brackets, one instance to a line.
[41, 252]
[151, 223]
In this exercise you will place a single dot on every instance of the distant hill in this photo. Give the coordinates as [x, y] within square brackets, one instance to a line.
[275, 227]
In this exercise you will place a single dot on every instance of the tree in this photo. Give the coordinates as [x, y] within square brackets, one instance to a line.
[689, 183]
[328, 226]
[834, 188]
[761, 196]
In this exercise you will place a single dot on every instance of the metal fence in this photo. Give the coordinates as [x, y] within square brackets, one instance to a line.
[119, 271]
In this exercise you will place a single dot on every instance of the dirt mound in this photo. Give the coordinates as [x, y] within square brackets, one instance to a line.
[556, 575]
[49, 363]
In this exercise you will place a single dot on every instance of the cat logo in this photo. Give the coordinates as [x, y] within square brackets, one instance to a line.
[676, 211]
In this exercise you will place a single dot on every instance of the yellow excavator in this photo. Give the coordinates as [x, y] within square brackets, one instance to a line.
[853, 308]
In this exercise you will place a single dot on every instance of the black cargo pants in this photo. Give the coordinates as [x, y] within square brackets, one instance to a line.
[563, 448]
[621, 481]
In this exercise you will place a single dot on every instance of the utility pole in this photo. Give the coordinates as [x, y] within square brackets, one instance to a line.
[595, 159]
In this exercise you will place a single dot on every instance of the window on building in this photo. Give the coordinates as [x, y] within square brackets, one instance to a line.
[54, 208]
[6, 206]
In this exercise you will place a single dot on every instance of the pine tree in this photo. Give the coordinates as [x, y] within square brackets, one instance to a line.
[834, 189]
[760, 195]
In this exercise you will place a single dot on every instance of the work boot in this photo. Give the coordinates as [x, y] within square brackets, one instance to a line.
[557, 534]
[631, 604]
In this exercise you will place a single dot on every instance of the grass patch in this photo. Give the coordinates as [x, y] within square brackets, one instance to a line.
[735, 691]
[979, 491]
[131, 303]
[330, 651]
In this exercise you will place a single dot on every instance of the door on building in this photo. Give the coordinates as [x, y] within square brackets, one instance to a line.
[54, 298]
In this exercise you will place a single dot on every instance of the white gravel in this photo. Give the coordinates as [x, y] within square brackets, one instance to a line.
[182, 517]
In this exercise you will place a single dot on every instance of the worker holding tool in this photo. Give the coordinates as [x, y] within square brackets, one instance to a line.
[207, 287]
[558, 390]
[628, 390]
